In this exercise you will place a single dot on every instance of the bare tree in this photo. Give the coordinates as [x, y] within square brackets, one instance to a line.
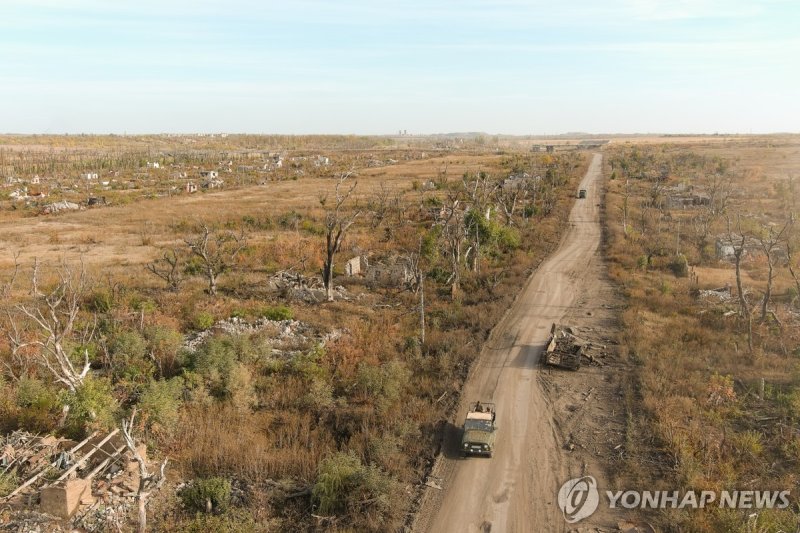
[738, 243]
[167, 268]
[9, 285]
[379, 205]
[508, 198]
[625, 198]
[337, 222]
[720, 188]
[418, 285]
[790, 260]
[478, 191]
[453, 236]
[216, 250]
[54, 315]
[148, 482]
[769, 239]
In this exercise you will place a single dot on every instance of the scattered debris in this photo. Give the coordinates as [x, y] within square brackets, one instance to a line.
[722, 294]
[90, 484]
[63, 205]
[563, 350]
[288, 337]
[295, 286]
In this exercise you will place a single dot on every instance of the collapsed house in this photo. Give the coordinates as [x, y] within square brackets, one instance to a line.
[66, 479]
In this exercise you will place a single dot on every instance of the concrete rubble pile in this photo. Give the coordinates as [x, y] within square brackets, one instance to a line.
[63, 484]
[295, 286]
[286, 337]
[63, 205]
[720, 295]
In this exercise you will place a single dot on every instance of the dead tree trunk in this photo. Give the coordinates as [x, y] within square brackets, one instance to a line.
[147, 482]
[54, 317]
[744, 309]
[336, 226]
[769, 241]
[216, 251]
[791, 269]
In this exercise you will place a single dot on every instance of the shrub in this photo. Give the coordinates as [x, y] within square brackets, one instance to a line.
[91, 406]
[211, 494]
[289, 220]
[160, 401]
[32, 392]
[279, 312]
[35, 404]
[8, 482]
[220, 362]
[165, 345]
[130, 363]
[508, 238]
[384, 384]
[366, 494]
[679, 266]
[202, 320]
[310, 227]
[100, 301]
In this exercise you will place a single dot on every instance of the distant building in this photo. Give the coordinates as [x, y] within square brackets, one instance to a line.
[89, 175]
[209, 174]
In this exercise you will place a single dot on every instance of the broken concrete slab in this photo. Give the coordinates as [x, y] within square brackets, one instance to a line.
[63, 500]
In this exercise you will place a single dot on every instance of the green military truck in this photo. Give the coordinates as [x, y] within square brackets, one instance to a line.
[479, 430]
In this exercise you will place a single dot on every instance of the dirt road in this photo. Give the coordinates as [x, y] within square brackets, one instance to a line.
[515, 490]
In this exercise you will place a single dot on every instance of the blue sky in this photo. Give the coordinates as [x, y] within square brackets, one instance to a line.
[350, 66]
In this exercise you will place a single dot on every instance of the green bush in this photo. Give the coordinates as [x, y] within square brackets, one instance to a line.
[207, 494]
[383, 384]
[370, 497]
[36, 406]
[310, 227]
[100, 301]
[222, 363]
[279, 312]
[161, 400]
[165, 345]
[91, 406]
[32, 392]
[8, 482]
[202, 320]
[508, 238]
[289, 220]
[679, 266]
[130, 362]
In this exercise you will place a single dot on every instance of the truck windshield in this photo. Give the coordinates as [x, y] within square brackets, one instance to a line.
[484, 425]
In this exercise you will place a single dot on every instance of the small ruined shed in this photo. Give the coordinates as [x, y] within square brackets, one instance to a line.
[563, 349]
[64, 476]
[358, 265]
[726, 247]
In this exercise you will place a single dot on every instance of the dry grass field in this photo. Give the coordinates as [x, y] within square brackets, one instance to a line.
[713, 405]
[318, 413]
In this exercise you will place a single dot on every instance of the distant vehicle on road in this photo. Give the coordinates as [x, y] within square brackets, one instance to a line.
[582, 193]
[479, 430]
